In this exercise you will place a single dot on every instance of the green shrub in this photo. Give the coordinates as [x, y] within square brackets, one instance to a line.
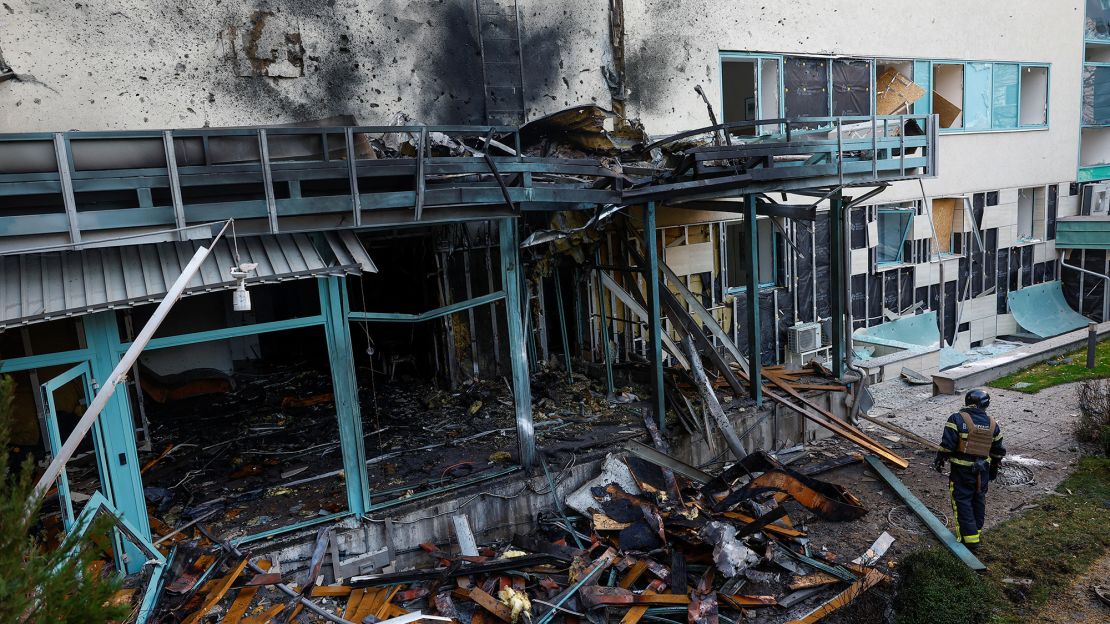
[936, 588]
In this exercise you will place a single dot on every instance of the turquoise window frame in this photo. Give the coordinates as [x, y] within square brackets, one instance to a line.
[922, 75]
[758, 58]
[901, 243]
[774, 282]
[924, 67]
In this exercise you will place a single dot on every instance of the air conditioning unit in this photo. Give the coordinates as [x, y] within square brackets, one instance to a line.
[1096, 199]
[803, 337]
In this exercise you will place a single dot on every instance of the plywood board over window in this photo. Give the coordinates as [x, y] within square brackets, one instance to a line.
[691, 259]
[947, 211]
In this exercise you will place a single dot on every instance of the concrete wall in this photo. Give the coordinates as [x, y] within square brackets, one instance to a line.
[114, 64]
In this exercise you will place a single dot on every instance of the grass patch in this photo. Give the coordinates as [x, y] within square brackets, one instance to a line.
[1050, 544]
[1058, 371]
[937, 588]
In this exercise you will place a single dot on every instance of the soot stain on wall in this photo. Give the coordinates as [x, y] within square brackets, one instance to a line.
[452, 64]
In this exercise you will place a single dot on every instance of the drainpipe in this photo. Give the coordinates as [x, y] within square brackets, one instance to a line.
[1105, 287]
[119, 374]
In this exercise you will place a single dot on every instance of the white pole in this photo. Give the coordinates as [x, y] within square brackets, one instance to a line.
[108, 386]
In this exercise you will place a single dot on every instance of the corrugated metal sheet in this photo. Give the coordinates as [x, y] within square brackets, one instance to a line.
[44, 286]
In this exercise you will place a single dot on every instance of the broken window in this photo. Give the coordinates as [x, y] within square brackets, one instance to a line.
[750, 90]
[1004, 101]
[1025, 214]
[948, 94]
[895, 90]
[736, 240]
[1034, 96]
[805, 87]
[851, 87]
[893, 227]
[978, 96]
[1096, 95]
[1098, 20]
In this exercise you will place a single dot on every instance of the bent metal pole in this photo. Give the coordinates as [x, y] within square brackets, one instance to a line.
[119, 374]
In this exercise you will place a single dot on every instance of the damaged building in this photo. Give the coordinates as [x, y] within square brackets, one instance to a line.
[301, 266]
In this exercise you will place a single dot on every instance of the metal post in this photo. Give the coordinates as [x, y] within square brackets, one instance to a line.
[518, 357]
[117, 427]
[755, 363]
[1092, 343]
[267, 180]
[562, 322]
[836, 281]
[64, 159]
[337, 331]
[655, 332]
[603, 321]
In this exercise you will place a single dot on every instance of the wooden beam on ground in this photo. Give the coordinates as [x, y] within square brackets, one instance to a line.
[491, 604]
[243, 600]
[769, 528]
[267, 616]
[929, 444]
[634, 573]
[874, 577]
[822, 417]
[217, 593]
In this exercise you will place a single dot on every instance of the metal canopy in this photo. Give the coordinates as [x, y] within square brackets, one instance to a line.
[43, 286]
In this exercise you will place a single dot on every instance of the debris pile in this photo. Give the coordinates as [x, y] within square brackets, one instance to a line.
[651, 539]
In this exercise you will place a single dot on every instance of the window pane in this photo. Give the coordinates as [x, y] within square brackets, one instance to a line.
[923, 76]
[769, 93]
[806, 87]
[737, 253]
[1098, 19]
[1034, 96]
[893, 226]
[851, 81]
[977, 96]
[1096, 95]
[948, 94]
[1004, 109]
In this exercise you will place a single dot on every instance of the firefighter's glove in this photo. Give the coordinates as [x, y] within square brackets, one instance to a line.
[938, 463]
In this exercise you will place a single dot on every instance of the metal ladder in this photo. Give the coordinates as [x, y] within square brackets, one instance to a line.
[502, 68]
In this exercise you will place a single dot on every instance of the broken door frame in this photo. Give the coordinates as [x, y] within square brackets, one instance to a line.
[54, 438]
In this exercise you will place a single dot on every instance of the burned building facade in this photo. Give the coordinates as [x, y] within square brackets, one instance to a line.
[417, 202]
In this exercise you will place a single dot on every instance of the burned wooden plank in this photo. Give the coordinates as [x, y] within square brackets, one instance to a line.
[874, 577]
[491, 604]
[217, 594]
[243, 599]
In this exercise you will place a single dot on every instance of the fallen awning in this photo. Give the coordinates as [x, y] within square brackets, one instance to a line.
[1041, 310]
[45, 286]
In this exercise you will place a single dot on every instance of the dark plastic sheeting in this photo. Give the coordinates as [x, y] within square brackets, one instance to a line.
[905, 276]
[1069, 281]
[859, 301]
[950, 312]
[804, 287]
[821, 258]
[806, 84]
[1027, 264]
[851, 80]
[874, 300]
[1051, 205]
[890, 291]
[1095, 260]
[858, 218]
[963, 274]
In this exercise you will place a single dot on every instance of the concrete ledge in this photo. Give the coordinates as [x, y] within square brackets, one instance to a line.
[976, 374]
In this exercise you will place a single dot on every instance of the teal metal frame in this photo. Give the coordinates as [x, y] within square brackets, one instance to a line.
[755, 358]
[397, 317]
[838, 276]
[511, 275]
[118, 432]
[655, 338]
[337, 329]
[54, 438]
[905, 233]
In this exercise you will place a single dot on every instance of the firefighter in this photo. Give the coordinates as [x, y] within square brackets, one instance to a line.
[972, 443]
